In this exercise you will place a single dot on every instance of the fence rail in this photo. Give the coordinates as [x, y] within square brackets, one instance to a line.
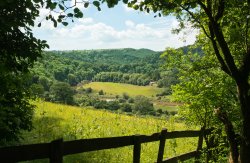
[57, 149]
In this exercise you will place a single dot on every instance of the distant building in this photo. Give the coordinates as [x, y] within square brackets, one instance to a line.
[152, 83]
[109, 100]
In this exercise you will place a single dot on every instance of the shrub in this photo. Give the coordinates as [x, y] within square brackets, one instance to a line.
[142, 105]
[125, 96]
[130, 100]
[101, 92]
[88, 90]
[126, 108]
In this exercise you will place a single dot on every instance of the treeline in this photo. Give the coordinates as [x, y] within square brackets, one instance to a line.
[134, 78]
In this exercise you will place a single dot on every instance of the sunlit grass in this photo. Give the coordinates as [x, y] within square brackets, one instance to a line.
[120, 88]
[53, 121]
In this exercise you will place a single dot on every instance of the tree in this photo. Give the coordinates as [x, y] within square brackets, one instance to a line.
[202, 88]
[142, 105]
[72, 79]
[101, 92]
[37, 90]
[18, 51]
[62, 92]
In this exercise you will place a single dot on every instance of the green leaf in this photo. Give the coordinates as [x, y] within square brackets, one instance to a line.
[61, 7]
[86, 4]
[70, 15]
[76, 10]
[54, 21]
[125, 1]
[79, 14]
[52, 6]
[136, 7]
[61, 16]
[39, 25]
[65, 23]
[178, 1]
[96, 3]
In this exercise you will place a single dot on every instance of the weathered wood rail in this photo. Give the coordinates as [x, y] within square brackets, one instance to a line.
[57, 149]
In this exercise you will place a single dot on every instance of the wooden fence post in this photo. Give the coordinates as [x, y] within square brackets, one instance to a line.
[199, 147]
[56, 151]
[137, 149]
[161, 145]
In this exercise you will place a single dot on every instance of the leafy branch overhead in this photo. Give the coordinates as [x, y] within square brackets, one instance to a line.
[60, 11]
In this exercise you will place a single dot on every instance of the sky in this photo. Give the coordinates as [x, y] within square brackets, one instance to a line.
[118, 27]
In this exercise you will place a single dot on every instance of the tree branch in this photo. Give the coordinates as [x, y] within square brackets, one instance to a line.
[224, 67]
[225, 50]
[206, 9]
[215, 28]
[220, 11]
[193, 16]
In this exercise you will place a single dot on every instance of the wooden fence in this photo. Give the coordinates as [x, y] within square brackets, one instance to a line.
[57, 149]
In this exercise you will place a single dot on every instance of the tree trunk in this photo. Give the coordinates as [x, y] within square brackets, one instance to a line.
[244, 97]
[231, 136]
[241, 77]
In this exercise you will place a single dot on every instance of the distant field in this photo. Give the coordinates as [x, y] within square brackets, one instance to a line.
[120, 88]
[164, 105]
[53, 121]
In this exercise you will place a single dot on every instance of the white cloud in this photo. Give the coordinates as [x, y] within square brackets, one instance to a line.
[86, 20]
[88, 34]
[129, 23]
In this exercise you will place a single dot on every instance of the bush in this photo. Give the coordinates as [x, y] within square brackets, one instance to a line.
[173, 113]
[125, 96]
[88, 90]
[101, 92]
[142, 105]
[112, 105]
[126, 108]
[159, 111]
[100, 104]
[130, 100]
[121, 100]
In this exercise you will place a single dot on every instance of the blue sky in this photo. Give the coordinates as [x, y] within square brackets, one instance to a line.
[118, 27]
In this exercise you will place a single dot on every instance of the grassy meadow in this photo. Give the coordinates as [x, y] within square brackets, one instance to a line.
[113, 89]
[119, 88]
[53, 121]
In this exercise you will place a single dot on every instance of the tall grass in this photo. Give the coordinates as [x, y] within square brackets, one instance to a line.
[53, 121]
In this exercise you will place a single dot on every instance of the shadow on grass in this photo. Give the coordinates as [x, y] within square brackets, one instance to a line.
[47, 129]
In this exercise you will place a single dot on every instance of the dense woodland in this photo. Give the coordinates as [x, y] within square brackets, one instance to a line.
[131, 66]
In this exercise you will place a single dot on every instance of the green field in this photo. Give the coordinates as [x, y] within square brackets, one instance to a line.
[112, 89]
[53, 121]
[120, 88]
